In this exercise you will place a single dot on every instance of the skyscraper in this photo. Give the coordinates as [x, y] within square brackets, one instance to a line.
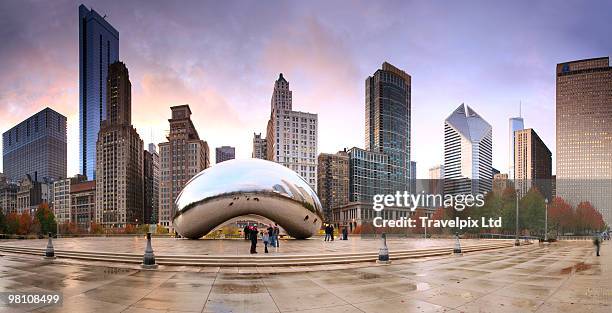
[468, 154]
[533, 163]
[388, 110]
[259, 147]
[98, 48]
[515, 123]
[291, 135]
[224, 153]
[151, 184]
[333, 181]
[119, 160]
[182, 156]
[584, 133]
[36, 147]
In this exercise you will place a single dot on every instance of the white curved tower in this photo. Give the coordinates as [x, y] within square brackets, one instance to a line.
[468, 155]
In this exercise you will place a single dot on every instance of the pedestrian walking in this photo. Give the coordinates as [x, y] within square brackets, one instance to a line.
[270, 231]
[344, 233]
[253, 237]
[265, 237]
[331, 232]
[597, 243]
[326, 232]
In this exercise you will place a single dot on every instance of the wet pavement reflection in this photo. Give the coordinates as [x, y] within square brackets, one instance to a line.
[564, 277]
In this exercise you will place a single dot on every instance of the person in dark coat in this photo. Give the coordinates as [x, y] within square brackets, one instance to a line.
[326, 233]
[344, 233]
[331, 232]
[253, 237]
[597, 243]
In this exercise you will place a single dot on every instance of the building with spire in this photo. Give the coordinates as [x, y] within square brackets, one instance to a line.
[119, 159]
[468, 157]
[291, 138]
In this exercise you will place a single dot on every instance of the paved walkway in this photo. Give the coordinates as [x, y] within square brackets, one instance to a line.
[167, 246]
[565, 277]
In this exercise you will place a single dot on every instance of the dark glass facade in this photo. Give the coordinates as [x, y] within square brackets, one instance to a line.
[98, 48]
[388, 106]
[36, 147]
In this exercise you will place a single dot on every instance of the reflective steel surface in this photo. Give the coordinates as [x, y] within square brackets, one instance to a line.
[247, 186]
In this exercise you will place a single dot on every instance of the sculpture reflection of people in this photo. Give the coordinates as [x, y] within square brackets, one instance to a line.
[253, 237]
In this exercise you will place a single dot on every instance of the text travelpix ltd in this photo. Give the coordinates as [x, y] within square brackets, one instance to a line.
[411, 201]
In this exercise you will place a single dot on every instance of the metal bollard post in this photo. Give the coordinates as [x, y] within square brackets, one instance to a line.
[383, 253]
[148, 260]
[50, 251]
[457, 249]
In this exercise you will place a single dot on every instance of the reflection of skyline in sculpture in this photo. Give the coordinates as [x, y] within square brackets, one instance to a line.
[247, 187]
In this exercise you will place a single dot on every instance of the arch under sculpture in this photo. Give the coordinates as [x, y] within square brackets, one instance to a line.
[247, 186]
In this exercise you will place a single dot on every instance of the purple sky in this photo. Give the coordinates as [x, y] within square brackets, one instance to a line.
[222, 58]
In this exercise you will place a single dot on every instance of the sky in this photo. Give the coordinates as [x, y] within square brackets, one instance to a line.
[222, 58]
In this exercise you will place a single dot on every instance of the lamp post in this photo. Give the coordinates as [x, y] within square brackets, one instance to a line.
[516, 231]
[546, 220]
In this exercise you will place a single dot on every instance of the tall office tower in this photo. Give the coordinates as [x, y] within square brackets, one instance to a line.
[98, 49]
[333, 181]
[83, 204]
[119, 161]
[500, 183]
[224, 153]
[468, 154]
[36, 147]
[259, 147]
[515, 124]
[8, 195]
[584, 133]
[182, 156]
[533, 163]
[388, 108]
[151, 184]
[291, 135]
[61, 198]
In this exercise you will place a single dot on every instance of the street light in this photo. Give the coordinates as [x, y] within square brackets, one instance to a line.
[546, 220]
[516, 230]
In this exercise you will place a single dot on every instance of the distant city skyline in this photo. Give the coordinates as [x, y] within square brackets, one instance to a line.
[490, 55]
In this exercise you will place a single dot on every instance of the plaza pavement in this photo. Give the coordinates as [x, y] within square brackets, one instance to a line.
[565, 277]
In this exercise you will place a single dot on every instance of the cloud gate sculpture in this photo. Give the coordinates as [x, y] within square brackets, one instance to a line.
[247, 186]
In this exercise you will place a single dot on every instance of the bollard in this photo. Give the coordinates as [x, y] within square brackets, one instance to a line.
[148, 260]
[457, 249]
[383, 253]
[50, 252]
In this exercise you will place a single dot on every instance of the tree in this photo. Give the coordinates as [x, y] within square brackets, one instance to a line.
[162, 230]
[3, 226]
[25, 223]
[531, 214]
[587, 218]
[96, 228]
[46, 219]
[560, 215]
[12, 223]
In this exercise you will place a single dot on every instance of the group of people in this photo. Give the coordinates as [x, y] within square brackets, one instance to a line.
[270, 237]
[329, 233]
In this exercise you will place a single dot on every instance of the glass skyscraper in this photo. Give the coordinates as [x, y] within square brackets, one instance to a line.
[98, 48]
[515, 124]
[388, 121]
[36, 147]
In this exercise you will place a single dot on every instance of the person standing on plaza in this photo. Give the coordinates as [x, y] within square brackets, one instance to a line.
[331, 231]
[253, 237]
[276, 235]
[344, 233]
[270, 231]
[326, 232]
[246, 232]
[265, 237]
